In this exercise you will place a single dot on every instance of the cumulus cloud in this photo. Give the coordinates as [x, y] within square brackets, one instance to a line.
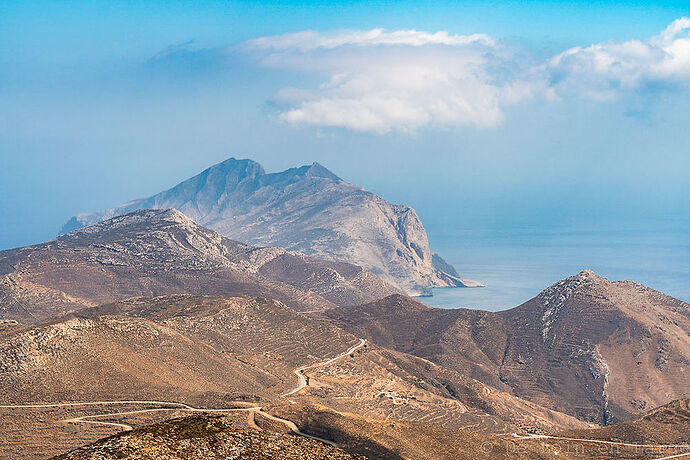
[403, 80]
[607, 70]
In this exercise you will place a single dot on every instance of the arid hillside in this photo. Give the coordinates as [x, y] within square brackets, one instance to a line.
[271, 337]
[262, 333]
[205, 436]
[195, 350]
[668, 424]
[149, 253]
[586, 346]
[102, 369]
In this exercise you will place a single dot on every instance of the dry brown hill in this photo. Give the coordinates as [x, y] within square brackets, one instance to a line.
[392, 439]
[115, 358]
[180, 348]
[276, 339]
[149, 253]
[263, 333]
[205, 437]
[668, 424]
[586, 346]
[386, 384]
[211, 352]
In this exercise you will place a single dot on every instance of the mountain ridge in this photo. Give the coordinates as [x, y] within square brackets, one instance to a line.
[159, 252]
[586, 346]
[308, 209]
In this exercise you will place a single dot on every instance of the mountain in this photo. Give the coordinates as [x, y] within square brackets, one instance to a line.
[176, 348]
[159, 252]
[412, 440]
[263, 333]
[592, 348]
[146, 360]
[94, 372]
[272, 337]
[307, 209]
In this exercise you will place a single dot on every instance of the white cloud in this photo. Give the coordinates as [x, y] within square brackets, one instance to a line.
[403, 80]
[384, 81]
[606, 70]
[311, 40]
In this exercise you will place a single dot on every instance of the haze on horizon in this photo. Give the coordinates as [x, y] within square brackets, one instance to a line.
[499, 118]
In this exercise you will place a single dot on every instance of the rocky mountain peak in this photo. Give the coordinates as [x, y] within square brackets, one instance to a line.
[554, 298]
[588, 274]
[567, 286]
[318, 170]
[243, 167]
[307, 209]
[126, 224]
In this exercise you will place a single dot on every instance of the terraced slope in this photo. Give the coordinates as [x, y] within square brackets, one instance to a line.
[119, 358]
[387, 439]
[270, 336]
[384, 384]
[261, 332]
[171, 348]
[150, 357]
[169, 353]
[149, 253]
[668, 424]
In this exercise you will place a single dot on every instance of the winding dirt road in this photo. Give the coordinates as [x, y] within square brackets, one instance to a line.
[299, 372]
[614, 443]
[686, 454]
[175, 406]
[599, 441]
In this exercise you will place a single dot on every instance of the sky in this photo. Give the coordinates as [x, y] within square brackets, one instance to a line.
[487, 117]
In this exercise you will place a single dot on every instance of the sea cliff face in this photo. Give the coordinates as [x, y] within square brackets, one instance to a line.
[307, 209]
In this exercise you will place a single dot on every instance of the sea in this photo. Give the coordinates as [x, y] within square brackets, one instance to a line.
[516, 266]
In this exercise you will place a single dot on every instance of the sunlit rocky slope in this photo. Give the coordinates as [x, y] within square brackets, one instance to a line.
[307, 209]
[158, 252]
[596, 349]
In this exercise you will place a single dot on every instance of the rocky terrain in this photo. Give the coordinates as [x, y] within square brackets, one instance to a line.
[385, 439]
[205, 436]
[389, 385]
[595, 349]
[307, 209]
[668, 424]
[181, 353]
[158, 252]
[194, 350]
[196, 345]
[355, 436]
[260, 332]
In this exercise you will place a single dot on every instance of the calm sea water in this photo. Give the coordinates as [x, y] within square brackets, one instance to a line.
[516, 267]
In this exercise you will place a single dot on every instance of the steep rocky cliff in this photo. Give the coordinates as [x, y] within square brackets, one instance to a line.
[307, 209]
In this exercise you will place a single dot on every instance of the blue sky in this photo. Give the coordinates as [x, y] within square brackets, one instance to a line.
[485, 116]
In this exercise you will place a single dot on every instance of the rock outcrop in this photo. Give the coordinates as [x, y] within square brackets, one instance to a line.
[205, 437]
[307, 209]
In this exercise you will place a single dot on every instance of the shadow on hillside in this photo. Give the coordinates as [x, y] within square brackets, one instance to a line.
[350, 443]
